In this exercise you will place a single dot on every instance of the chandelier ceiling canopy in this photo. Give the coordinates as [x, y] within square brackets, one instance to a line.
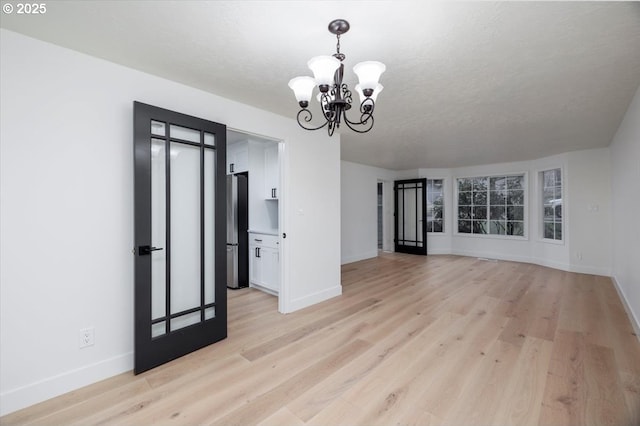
[334, 96]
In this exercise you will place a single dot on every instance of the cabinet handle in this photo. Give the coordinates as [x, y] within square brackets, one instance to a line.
[255, 239]
[231, 167]
[273, 193]
[258, 252]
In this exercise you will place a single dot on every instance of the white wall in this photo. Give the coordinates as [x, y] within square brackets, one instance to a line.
[589, 209]
[359, 210]
[66, 214]
[625, 185]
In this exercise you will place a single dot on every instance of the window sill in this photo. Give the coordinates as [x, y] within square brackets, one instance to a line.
[550, 241]
[492, 236]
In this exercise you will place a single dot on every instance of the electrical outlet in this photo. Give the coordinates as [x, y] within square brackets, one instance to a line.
[86, 337]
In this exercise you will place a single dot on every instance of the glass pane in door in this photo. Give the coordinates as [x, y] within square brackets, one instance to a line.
[400, 213]
[185, 230]
[209, 139]
[158, 233]
[419, 203]
[409, 218]
[209, 225]
[179, 132]
[158, 128]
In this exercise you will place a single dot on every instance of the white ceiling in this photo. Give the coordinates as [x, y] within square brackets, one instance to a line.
[466, 83]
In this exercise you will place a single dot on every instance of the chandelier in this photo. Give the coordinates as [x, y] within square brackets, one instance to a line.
[335, 97]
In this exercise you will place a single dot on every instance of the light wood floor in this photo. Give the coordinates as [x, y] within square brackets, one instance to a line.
[413, 340]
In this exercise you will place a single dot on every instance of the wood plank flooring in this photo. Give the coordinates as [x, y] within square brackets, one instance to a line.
[437, 340]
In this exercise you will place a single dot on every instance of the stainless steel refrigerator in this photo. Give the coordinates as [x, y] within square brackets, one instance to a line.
[237, 226]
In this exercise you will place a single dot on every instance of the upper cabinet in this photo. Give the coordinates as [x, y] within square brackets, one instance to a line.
[271, 173]
[237, 157]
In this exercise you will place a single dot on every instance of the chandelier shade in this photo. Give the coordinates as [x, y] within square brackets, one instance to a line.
[323, 68]
[369, 73]
[335, 98]
[373, 96]
[302, 88]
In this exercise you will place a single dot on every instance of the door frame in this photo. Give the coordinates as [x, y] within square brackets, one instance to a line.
[283, 158]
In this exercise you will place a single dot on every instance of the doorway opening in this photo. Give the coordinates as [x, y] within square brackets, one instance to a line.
[260, 159]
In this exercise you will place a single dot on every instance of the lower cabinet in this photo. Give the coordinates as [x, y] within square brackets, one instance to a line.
[264, 266]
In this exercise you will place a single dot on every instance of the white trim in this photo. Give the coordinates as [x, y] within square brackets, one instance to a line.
[551, 264]
[591, 270]
[361, 256]
[33, 393]
[489, 255]
[550, 241]
[635, 322]
[284, 289]
[437, 251]
[493, 236]
[312, 299]
[526, 206]
[539, 205]
[444, 207]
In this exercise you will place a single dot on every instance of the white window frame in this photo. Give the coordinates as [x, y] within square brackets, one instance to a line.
[444, 209]
[540, 205]
[526, 207]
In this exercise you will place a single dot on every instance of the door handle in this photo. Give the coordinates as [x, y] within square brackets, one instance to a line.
[145, 250]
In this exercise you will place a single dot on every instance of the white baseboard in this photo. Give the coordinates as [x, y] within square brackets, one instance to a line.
[582, 269]
[314, 298]
[488, 255]
[592, 270]
[635, 322]
[358, 257]
[34, 393]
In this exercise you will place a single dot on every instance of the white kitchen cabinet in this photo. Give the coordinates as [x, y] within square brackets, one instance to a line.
[264, 267]
[271, 173]
[237, 157]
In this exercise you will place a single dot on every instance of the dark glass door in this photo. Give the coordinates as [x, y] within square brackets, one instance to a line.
[180, 235]
[410, 216]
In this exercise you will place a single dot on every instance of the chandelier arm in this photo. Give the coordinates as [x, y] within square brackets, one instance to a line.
[307, 119]
[367, 121]
[366, 113]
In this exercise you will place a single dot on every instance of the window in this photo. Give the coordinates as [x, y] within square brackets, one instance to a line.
[552, 204]
[491, 205]
[435, 205]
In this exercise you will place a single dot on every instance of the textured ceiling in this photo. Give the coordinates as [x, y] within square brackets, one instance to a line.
[466, 83]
